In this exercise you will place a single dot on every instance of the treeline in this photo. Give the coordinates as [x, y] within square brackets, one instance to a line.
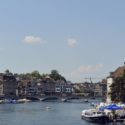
[54, 75]
[85, 91]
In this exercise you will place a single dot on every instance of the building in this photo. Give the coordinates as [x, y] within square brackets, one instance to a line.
[63, 88]
[48, 85]
[84, 86]
[8, 84]
[97, 89]
[104, 88]
[112, 75]
[26, 87]
[39, 87]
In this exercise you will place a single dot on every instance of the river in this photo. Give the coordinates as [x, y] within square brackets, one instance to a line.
[35, 113]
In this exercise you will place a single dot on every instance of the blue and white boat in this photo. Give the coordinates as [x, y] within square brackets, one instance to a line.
[95, 116]
[92, 104]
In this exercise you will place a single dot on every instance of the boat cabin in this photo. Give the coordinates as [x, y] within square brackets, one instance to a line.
[94, 113]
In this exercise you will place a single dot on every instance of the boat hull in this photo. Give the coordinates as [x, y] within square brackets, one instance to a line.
[101, 119]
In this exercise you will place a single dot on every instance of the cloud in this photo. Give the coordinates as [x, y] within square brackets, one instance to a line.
[32, 39]
[72, 42]
[82, 69]
[1, 48]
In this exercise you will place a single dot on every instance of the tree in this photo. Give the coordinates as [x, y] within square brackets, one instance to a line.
[27, 74]
[10, 73]
[22, 74]
[56, 76]
[35, 73]
[117, 93]
[43, 75]
[54, 72]
[79, 91]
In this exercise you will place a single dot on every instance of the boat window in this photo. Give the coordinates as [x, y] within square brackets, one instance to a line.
[99, 113]
[88, 113]
[103, 113]
[94, 113]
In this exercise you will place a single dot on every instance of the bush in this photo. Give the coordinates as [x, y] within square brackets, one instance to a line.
[79, 91]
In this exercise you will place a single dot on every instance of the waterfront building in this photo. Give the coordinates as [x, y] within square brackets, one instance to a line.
[117, 73]
[84, 86]
[63, 88]
[8, 84]
[26, 87]
[31, 89]
[39, 87]
[97, 89]
[48, 85]
[104, 88]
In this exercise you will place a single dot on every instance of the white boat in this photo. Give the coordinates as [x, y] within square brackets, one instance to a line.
[2, 101]
[94, 116]
[20, 101]
[27, 100]
[85, 100]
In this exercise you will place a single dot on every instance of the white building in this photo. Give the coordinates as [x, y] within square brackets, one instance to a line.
[117, 73]
[62, 88]
[109, 82]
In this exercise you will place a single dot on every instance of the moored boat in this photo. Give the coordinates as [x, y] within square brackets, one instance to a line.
[20, 101]
[92, 104]
[85, 100]
[27, 100]
[95, 116]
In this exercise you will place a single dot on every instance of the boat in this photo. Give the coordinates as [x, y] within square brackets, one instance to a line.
[20, 101]
[47, 107]
[27, 100]
[85, 100]
[92, 104]
[2, 101]
[94, 115]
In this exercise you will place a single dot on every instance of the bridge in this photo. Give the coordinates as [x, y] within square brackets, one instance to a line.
[62, 98]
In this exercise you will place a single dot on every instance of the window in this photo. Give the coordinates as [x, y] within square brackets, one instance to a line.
[99, 113]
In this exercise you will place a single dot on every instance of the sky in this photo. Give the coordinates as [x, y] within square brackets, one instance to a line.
[79, 38]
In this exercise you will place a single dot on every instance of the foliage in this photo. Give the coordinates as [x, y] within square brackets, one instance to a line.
[22, 74]
[113, 112]
[35, 73]
[87, 90]
[56, 76]
[118, 89]
[10, 73]
[43, 75]
[79, 91]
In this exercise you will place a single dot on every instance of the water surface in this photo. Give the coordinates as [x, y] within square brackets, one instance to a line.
[35, 113]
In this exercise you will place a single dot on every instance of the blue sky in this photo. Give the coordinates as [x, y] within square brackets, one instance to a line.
[79, 38]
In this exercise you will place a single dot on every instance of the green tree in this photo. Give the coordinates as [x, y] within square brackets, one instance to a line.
[79, 91]
[43, 75]
[27, 74]
[117, 93]
[56, 76]
[22, 74]
[35, 73]
[10, 73]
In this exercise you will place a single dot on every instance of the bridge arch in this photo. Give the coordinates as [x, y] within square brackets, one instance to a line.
[32, 98]
[51, 98]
